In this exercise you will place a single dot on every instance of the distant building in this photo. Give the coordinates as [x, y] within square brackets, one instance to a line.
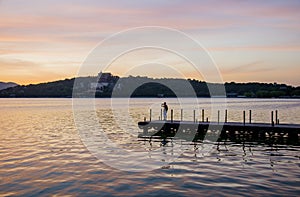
[99, 86]
[105, 80]
[105, 77]
[282, 88]
[231, 95]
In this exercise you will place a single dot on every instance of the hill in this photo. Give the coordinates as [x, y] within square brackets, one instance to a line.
[147, 87]
[4, 85]
[62, 88]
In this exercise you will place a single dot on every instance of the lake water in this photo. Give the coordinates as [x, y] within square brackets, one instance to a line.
[42, 153]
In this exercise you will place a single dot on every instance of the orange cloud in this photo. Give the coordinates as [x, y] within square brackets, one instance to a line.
[26, 72]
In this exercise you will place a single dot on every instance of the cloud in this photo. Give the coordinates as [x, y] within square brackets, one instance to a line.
[257, 48]
[16, 65]
[252, 67]
[10, 51]
[45, 21]
[52, 32]
[25, 72]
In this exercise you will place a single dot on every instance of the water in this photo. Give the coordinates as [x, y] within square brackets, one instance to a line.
[41, 152]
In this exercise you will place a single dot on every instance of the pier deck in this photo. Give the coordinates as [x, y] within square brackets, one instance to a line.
[234, 131]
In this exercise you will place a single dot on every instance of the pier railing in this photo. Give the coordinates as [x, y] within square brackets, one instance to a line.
[203, 119]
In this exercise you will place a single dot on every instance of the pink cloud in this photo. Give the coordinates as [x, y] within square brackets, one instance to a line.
[52, 30]
[257, 48]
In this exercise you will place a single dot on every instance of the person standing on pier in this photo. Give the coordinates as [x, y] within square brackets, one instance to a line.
[165, 106]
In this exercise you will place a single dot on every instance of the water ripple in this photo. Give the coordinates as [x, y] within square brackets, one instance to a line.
[42, 154]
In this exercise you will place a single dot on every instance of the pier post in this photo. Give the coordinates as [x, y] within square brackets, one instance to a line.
[181, 115]
[202, 115]
[244, 117]
[150, 115]
[207, 119]
[194, 115]
[145, 131]
[250, 114]
[276, 117]
[226, 116]
[218, 116]
[171, 115]
[272, 118]
[144, 119]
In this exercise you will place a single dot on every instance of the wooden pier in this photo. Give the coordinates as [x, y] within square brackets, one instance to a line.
[230, 131]
[272, 132]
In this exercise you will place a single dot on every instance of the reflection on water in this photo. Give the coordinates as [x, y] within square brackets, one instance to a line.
[42, 154]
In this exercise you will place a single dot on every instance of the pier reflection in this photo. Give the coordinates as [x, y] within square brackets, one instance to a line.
[242, 152]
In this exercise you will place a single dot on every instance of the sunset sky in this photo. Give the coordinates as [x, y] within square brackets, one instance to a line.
[249, 41]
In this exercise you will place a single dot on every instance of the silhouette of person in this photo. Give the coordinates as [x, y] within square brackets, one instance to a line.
[165, 106]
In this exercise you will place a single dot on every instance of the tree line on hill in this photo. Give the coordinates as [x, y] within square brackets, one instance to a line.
[148, 87]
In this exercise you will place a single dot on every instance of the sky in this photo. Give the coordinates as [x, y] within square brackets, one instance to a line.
[249, 41]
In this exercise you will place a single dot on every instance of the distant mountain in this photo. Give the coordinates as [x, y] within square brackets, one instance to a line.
[4, 85]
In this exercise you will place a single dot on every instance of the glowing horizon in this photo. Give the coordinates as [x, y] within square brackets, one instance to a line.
[42, 41]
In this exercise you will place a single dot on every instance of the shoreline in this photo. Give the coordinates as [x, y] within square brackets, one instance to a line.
[286, 98]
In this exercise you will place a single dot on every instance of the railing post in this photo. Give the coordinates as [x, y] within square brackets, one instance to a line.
[250, 114]
[244, 117]
[202, 115]
[272, 118]
[171, 115]
[181, 115]
[194, 115]
[150, 115]
[218, 116]
[161, 114]
[276, 117]
[226, 116]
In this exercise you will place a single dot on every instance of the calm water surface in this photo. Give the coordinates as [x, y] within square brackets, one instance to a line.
[41, 152]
